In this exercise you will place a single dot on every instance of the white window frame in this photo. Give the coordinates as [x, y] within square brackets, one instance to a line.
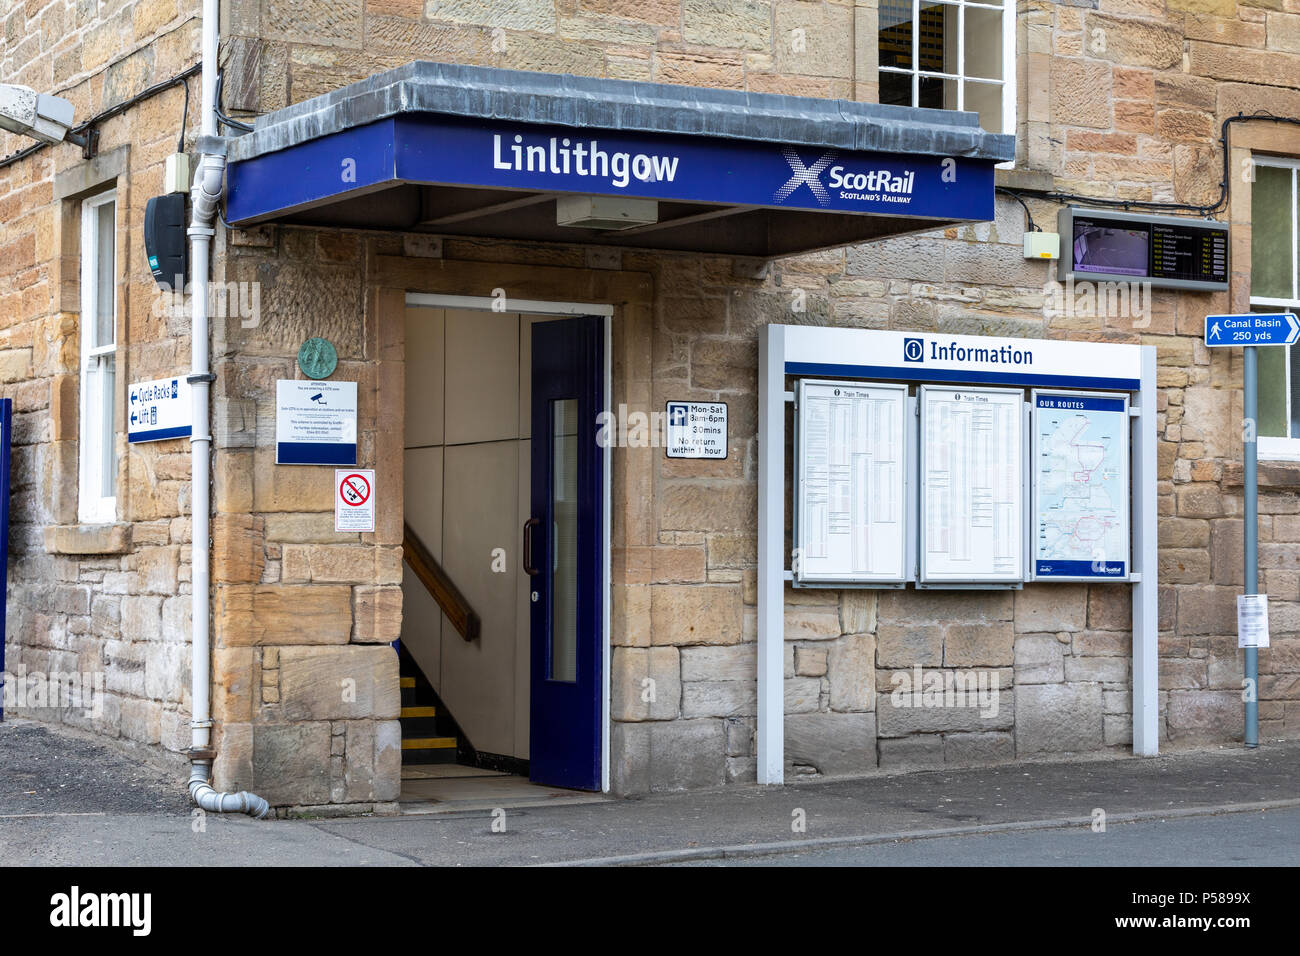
[92, 507]
[1273, 447]
[1008, 81]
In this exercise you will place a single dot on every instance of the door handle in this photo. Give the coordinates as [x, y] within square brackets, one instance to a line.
[529, 525]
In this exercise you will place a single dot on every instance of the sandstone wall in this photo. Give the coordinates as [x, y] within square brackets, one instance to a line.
[306, 688]
[112, 600]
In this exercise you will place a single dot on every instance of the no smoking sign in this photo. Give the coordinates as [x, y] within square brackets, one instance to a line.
[354, 500]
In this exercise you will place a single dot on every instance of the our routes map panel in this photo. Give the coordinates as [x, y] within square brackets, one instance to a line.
[1081, 485]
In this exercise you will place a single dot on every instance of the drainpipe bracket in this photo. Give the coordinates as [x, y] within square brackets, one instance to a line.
[201, 753]
[212, 145]
[198, 377]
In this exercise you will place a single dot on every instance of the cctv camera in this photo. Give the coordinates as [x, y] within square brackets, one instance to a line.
[38, 115]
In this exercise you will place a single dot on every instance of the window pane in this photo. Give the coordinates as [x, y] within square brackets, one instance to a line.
[937, 94]
[1294, 352]
[1270, 238]
[1272, 392]
[986, 99]
[896, 88]
[108, 388]
[937, 38]
[895, 34]
[983, 34]
[564, 540]
[1295, 210]
[105, 284]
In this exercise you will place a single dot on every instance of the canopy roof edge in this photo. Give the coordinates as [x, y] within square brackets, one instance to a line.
[489, 93]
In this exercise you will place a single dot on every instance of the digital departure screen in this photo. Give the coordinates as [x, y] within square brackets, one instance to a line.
[1189, 253]
[1160, 249]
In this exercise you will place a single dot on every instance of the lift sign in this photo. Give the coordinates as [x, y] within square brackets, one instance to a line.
[697, 430]
[158, 410]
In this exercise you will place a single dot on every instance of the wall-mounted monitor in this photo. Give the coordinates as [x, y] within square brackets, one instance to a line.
[1167, 251]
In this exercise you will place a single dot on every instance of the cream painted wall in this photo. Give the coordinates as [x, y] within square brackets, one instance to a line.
[467, 484]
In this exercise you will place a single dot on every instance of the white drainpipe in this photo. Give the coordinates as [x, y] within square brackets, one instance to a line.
[204, 198]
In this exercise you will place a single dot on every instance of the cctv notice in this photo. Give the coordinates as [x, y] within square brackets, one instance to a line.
[316, 413]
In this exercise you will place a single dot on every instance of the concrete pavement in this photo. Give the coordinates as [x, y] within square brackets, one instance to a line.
[736, 822]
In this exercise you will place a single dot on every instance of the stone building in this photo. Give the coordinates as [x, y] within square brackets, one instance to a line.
[433, 298]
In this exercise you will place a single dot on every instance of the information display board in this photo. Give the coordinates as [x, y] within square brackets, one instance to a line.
[1102, 245]
[1081, 485]
[972, 485]
[851, 507]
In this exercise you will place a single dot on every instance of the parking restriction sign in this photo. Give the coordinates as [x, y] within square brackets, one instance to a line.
[354, 499]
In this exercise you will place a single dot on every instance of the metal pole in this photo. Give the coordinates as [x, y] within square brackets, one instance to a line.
[1250, 407]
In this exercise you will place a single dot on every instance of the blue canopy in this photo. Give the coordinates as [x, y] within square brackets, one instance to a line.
[463, 150]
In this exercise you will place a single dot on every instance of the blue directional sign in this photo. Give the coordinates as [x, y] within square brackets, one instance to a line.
[158, 410]
[1252, 328]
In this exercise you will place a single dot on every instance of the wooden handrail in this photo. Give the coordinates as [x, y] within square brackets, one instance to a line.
[438, 584]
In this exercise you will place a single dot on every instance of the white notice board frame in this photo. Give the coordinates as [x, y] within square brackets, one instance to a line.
[793, 351]
[1035, 514]
[931, 579]
[800, 576]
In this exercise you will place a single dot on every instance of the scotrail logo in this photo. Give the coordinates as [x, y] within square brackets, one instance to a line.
[871, 185]
[809, 176]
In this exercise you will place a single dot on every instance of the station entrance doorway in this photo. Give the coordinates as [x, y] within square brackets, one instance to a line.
[503, 644]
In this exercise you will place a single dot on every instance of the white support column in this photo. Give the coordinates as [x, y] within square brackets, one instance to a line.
[1146, 684]
[771, 554]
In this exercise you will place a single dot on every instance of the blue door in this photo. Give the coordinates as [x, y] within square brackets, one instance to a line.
[562, 553]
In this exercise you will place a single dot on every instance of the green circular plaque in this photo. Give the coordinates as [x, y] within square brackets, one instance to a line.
[317, 358]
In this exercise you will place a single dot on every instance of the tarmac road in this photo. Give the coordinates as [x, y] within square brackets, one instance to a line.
[1257, 838]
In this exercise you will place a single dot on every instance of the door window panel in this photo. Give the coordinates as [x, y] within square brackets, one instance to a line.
[564, 540]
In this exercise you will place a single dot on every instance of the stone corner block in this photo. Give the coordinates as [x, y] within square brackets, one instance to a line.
[349, 682]
[283, 614]
[376, 614]
[655, 756]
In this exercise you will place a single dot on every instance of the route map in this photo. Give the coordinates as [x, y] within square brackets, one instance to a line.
[1081, 485]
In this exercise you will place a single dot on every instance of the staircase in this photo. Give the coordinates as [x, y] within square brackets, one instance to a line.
[428, 734]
